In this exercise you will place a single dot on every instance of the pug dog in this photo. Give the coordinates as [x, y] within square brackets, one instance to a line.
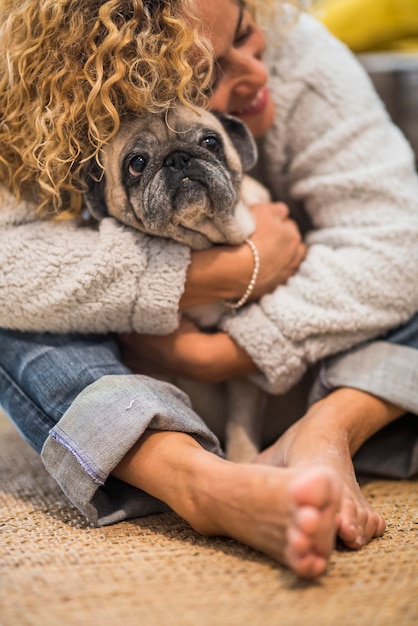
[180, 175]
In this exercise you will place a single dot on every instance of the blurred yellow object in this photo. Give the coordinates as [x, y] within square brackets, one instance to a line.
[371, 25]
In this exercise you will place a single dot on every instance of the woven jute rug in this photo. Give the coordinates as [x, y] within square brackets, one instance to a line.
[55, 569]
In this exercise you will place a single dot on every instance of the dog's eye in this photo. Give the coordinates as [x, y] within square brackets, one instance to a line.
[137, 165]
[211, 143]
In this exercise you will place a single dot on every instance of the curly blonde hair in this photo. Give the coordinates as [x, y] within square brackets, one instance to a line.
[70, 69]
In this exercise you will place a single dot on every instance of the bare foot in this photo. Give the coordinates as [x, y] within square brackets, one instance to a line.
[319, 438]
[288, 514]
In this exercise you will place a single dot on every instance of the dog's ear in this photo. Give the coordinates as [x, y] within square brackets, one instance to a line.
[241, 138]
[94, 196]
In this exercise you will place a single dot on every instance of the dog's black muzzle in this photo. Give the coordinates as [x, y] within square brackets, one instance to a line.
[178, 161]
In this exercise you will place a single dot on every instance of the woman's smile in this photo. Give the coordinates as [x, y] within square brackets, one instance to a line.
[256, 105]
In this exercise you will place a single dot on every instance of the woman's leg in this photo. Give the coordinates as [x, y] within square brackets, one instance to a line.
[42, 374]
[83, 410]
[122, 445]
[368, 389]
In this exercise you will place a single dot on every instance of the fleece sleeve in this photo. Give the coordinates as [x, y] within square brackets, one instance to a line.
[333, 150]
[59, 276]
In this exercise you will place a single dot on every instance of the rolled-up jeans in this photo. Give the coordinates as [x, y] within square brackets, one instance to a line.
[76, 403]
[83, 410]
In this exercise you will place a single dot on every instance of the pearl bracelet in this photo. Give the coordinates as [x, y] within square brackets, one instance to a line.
[251, 284]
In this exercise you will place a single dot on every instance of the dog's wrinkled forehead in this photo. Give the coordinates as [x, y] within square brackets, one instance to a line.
[159, 134]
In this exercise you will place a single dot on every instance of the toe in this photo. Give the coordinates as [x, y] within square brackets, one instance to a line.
[310, 565]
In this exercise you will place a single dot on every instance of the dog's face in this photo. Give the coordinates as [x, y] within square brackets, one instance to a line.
[176, 176]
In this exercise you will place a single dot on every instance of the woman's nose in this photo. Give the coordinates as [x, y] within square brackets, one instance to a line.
[252, 75]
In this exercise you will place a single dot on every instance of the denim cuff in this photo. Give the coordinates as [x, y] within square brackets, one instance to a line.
[97, 431]
[388, 371]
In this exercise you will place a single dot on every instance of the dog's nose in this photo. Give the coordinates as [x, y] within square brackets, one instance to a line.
[177, 160]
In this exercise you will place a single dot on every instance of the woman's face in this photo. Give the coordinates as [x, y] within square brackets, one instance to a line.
[241, 77]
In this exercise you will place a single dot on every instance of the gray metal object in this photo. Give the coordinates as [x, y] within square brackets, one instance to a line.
[395, 76]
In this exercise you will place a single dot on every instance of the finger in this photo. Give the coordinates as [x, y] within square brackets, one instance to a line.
[293, 233]
[281, 210]
[298, 258]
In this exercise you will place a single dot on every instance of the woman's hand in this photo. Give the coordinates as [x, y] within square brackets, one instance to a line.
[223, 272]
[187, 352]
[279, 245]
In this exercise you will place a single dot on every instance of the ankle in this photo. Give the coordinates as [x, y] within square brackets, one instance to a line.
[200, 488]
[356, 415]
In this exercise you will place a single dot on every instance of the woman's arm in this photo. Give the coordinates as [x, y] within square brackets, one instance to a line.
[58, 276]
[186, 352]
[334, 150]
[61, 277]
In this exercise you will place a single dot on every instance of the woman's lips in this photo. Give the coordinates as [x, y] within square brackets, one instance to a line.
[256, 106]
